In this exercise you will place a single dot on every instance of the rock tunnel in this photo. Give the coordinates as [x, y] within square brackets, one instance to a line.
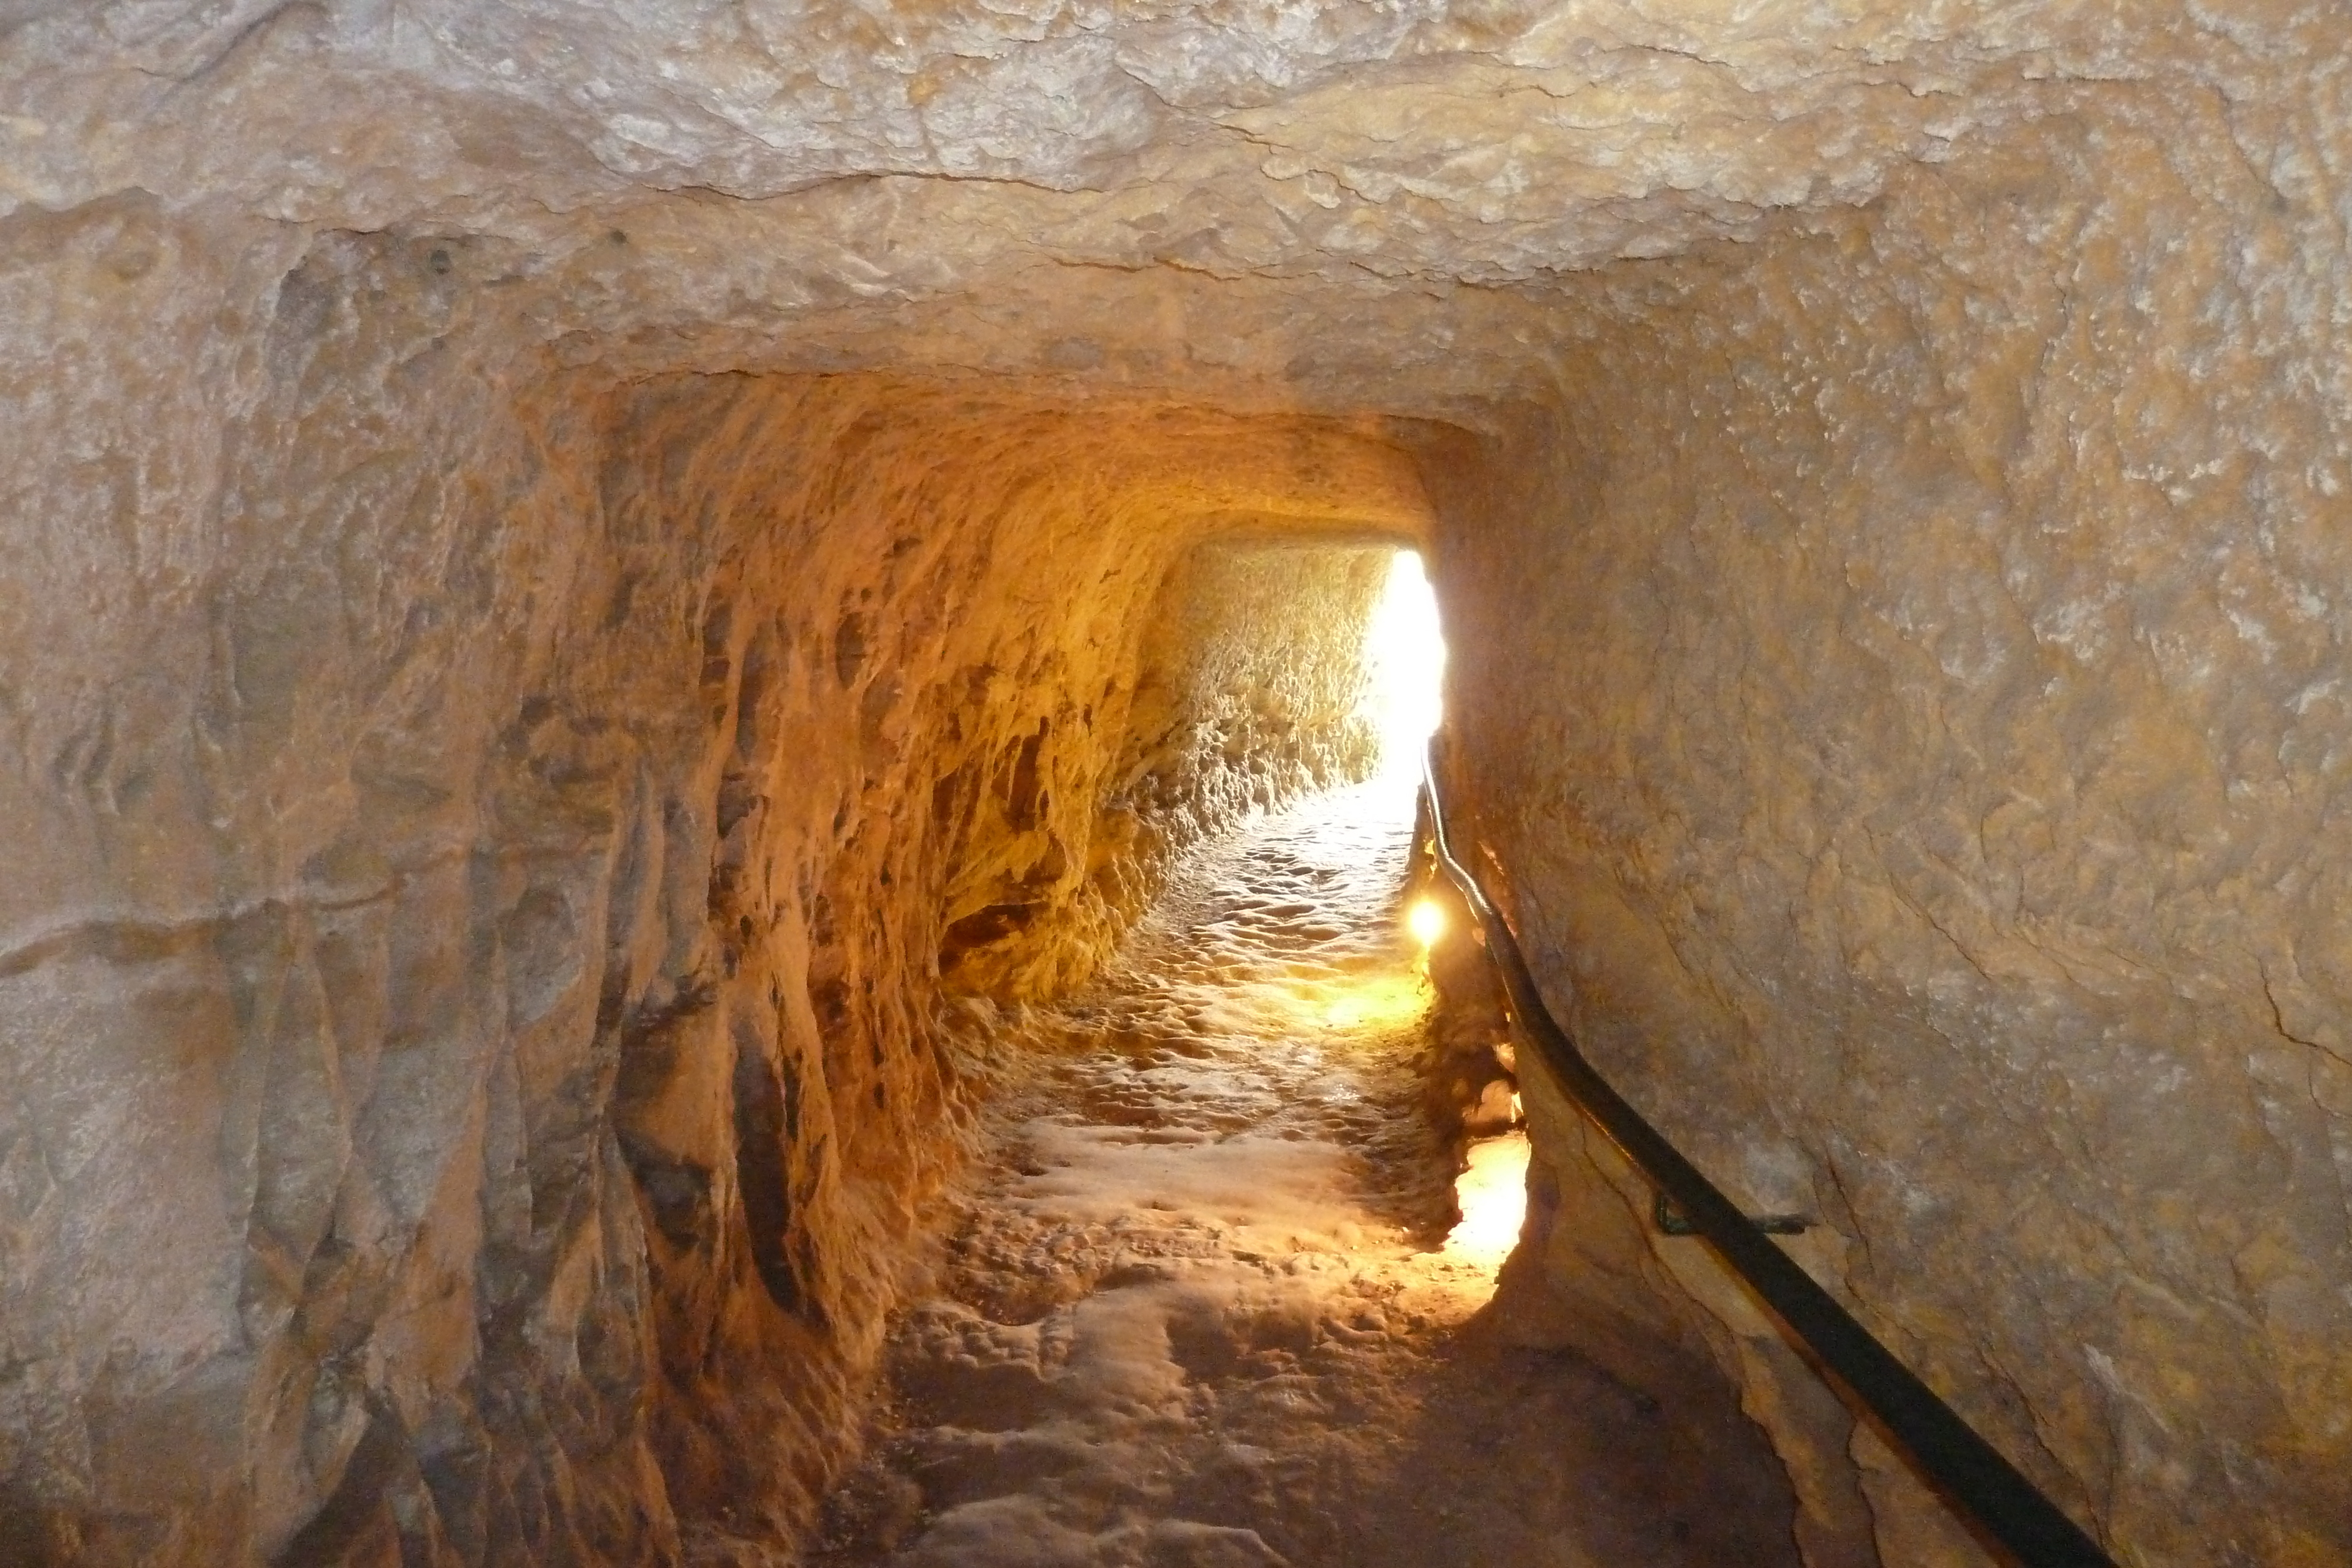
[603, 603]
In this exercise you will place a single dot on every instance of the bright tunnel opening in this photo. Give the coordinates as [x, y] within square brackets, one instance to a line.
[1492, 1191]
[1404, 665]
[1404, 661]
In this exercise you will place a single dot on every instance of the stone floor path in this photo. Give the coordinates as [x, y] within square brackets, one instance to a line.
[1204, 1311]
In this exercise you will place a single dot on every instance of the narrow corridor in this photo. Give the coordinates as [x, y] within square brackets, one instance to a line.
[1210, 1304]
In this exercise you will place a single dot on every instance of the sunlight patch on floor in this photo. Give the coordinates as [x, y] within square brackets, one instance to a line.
[1368, 1002]
[1494, 1197]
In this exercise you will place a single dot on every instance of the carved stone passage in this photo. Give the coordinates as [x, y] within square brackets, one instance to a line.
[581, 582]
[481, 1076]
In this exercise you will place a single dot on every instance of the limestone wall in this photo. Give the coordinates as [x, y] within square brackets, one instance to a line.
[1903, 687]
[560, 561]
[1252, 644]
[482, 840]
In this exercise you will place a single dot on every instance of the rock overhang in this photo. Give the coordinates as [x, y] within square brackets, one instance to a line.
[1376, 207]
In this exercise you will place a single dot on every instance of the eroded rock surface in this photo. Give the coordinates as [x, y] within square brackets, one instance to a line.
[1929, 810]
[1212, 1304]
[520, 518]
[470, 1007]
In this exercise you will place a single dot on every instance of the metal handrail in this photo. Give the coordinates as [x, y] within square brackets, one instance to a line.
[1971, 1473]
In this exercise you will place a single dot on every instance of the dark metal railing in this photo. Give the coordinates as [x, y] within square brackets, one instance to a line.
[1970, 1472]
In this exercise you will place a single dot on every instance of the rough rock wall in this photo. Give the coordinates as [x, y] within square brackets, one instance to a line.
[482, 837]
[1371, 148]
[1252, 685]
[1904, 688]
[1363, 206]
[251, 460]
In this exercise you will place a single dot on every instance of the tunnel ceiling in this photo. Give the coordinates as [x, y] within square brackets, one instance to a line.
[830, 185]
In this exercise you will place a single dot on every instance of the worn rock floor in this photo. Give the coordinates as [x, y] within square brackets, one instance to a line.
[1209, 1305]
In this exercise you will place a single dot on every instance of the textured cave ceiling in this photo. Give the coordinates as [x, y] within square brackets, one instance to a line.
[1157, 194]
